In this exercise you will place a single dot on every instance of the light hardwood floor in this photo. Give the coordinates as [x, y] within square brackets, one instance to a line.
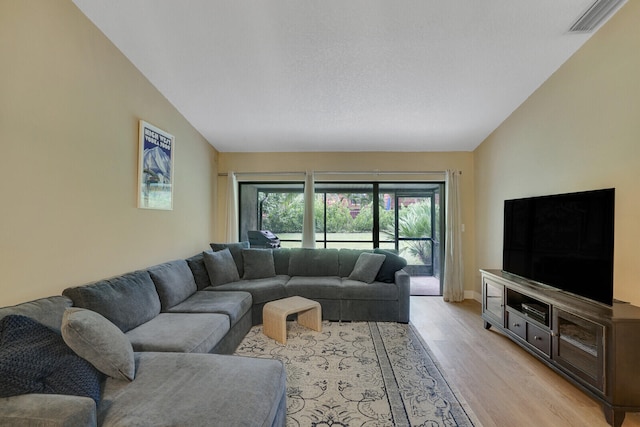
[503, 384]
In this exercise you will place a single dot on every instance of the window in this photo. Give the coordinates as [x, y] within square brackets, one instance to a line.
[344, 215]
[400, 216]
[278, 207]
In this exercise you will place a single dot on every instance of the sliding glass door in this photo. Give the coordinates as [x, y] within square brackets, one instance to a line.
[399, 216]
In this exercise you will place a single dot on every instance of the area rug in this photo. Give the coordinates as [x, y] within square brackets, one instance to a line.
[367, 374]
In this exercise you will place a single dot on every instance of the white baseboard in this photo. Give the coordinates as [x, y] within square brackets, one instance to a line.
[473, 295]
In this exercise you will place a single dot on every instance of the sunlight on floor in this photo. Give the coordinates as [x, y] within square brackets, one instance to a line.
[425, 285]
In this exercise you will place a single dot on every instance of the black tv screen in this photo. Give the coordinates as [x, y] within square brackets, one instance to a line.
[564, 241]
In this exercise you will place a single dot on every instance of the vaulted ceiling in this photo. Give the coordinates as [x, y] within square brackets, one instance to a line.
[341, 75]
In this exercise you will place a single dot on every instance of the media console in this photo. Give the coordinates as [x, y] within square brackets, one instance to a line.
[594, 346]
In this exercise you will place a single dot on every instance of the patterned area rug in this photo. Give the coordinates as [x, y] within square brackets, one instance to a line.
[364, 374]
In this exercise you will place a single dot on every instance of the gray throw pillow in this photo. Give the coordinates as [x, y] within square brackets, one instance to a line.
[258, 263]
[236, 252]
[100, 342]
[367, 267]
[221, 267]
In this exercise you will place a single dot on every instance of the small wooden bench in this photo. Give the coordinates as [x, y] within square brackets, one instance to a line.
[274, 316]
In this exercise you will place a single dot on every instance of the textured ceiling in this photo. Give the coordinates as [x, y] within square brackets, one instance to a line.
[340, 75]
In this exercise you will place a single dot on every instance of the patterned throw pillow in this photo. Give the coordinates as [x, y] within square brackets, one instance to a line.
[35, 359]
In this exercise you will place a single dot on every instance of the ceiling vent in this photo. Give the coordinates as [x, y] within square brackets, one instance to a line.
[599, 11]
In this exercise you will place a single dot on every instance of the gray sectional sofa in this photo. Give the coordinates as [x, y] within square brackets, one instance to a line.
[149, 335]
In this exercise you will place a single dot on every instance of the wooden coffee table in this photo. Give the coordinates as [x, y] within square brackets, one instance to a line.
[274, 316]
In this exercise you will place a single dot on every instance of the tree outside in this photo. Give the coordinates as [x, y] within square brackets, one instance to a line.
[350, 217]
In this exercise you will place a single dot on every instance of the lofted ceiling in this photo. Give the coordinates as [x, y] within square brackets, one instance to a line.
[341, 75]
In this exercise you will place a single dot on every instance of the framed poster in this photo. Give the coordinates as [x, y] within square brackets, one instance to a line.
[155, 168]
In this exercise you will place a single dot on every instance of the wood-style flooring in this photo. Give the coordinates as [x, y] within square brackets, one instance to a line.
[503, 384]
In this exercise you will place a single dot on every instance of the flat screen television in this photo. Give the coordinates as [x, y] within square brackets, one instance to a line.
[564, 241]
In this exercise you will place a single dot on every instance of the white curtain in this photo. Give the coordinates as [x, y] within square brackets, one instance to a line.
[453, 285]
[308, 222]
[232, 208]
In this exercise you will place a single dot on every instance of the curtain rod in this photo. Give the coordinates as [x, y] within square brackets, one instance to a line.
[377, 172]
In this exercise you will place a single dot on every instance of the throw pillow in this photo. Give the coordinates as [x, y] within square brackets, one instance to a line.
[367, 267]
[391, 264]
[221, 267]
[258, 263]
[35, 359]
[236, 252]
[100, 342]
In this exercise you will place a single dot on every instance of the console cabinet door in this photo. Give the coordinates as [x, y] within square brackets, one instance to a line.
[493, 301]
[578, 346]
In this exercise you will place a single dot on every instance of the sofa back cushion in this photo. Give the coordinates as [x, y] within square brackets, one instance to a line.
[199, 270]
[313, 262]
[47, 311]
[281, 260]
[174, 282]
[127, 301]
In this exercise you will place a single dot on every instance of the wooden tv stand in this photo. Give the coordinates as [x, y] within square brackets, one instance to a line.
[596, 347]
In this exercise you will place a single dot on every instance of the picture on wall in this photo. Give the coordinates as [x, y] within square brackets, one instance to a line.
[155, 168]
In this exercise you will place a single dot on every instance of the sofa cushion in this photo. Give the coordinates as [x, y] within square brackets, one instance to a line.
[47, 311]
[180, 332]
[258, 263]
[391, 264]
[319, 287]
[234, 304]
[313, 262]
[221, 267]
[174, 282]
[35, 359]
[99, 342]
[357, 290]
[367, 267]
[281, 261]
[236, 252]
[127, 301]
[199, 270]
[197, 390]
[47, 410]
[261, 290]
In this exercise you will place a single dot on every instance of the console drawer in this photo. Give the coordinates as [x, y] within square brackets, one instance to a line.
[539, 338]
[517, 325]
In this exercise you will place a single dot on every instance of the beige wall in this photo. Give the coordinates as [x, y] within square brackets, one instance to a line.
[69, 109]
[373, 161]
[579, 131]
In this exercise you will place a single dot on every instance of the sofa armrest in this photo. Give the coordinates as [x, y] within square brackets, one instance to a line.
[402, 281]
[48, 410]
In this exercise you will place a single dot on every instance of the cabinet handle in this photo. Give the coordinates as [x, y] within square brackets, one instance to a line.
[516, 325]
[535, 337]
